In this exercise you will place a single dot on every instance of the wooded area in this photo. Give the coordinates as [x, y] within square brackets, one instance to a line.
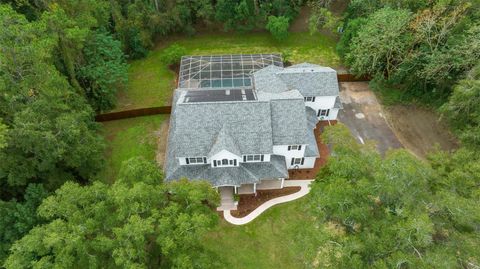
[64, 61]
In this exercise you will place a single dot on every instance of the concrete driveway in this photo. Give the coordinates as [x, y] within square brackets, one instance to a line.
[363, 115]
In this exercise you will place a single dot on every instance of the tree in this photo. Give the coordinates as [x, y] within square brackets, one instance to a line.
[321, 17]
[278, 27]
[18, 217]
[462, 109]
[138, 222]
[104, 71]
[381, 43]
[394, 211]
[3, 135]
[51, 135]
[173, 54]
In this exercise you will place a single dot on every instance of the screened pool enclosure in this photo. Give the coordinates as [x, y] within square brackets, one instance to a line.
[223, 71]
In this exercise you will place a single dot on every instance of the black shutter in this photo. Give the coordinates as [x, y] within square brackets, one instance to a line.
[292, 161]
[318, 114]
[204, 160]
[313, 99]
[244, 158]
[300, 147]
[186, 159]
[328, 112]
[214, 163]
[235, 162]
[289, 147]
[261, 157]
[303, 159]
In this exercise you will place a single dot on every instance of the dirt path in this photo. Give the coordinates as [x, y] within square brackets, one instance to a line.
[419, 129]
[364, 116]
[300, 24]
[162, 135]
[414, 128]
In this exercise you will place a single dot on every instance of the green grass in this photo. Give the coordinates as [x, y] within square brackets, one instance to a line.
[151, 83]
[129, 138]
[266, 242]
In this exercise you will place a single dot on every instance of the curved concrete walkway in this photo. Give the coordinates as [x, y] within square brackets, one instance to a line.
[304, 189]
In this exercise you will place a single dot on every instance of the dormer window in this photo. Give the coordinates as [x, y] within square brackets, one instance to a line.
[224, 162]
[309, 99]
[295, 147]
[196, 160]
[253, 158]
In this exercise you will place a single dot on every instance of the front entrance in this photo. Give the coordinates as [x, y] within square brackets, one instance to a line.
[227, 202]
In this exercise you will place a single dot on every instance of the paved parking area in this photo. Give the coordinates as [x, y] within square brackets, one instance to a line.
[364, 116]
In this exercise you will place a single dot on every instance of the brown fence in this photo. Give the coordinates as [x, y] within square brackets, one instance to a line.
[133, 113]
[168, 109]
[351, 78]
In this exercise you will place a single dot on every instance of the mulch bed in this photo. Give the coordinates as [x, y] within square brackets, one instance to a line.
[249, 202]
[319, 162]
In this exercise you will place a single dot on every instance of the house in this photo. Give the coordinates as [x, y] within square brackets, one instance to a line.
[242, 121]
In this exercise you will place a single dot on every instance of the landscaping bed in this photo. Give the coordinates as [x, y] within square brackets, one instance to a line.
[249, 202]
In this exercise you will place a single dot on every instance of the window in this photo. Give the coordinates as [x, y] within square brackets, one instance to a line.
[253, 158]
[225, 162]
[295, 147]
[196, 160]
[297, 161]
[309, 99]
[323, 112]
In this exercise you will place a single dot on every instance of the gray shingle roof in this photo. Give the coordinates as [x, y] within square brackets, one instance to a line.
[312, 119]
[224, 141]
[245, 173]
[277, 117]
[311, 81]
[289, 122]
[197, 125]
[312, 148]
[266, 80]
[308, 79]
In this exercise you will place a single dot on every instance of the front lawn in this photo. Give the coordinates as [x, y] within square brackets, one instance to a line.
[267, 242]
[151, 83]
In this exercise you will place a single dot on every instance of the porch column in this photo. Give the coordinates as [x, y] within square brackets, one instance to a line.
[281, 185]
[236, 191]
[255, 188]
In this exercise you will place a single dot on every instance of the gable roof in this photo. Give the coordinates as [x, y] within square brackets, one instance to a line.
[311, 81]
[308, 79]
[224, 141]
[246, 128]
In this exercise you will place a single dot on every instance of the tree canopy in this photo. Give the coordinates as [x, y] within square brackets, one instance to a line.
[394, 211]
[138, 222]
[420, 47]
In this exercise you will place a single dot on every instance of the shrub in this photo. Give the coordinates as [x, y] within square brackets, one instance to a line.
[278, 27]
[173, 54]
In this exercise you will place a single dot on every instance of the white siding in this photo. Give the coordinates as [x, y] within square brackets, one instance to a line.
[324, 102]
[289, 154]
